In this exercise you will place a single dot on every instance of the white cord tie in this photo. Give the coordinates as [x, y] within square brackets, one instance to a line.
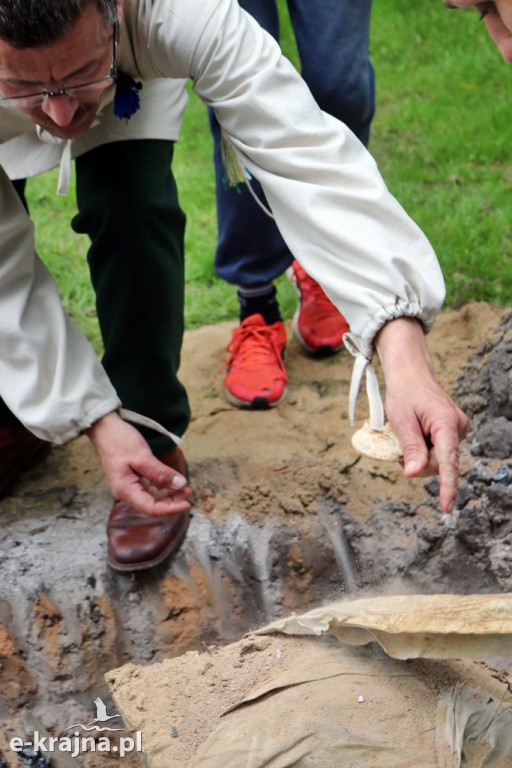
[237, 173]
[65, 159]
[364, 366]
[144, 421]
[64, 170]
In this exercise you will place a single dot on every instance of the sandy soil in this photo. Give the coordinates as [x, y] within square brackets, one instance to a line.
[275, 493]
[307, 702]
[244, 458]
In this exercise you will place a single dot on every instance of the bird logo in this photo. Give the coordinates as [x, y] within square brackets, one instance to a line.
[101, 717]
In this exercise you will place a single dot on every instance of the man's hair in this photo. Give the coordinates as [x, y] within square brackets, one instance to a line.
[32, 23]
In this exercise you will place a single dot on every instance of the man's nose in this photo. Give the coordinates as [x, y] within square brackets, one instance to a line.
[61, 109]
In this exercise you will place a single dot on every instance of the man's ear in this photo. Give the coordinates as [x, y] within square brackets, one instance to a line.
[119, 12]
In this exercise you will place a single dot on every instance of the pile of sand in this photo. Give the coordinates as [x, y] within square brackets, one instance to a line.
[278, 700]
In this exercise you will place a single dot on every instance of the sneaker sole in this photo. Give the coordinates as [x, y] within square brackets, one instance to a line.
[325, 350]
[257, 404]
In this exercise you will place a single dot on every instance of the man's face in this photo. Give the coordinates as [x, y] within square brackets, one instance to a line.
[82, 55]
[498, 20]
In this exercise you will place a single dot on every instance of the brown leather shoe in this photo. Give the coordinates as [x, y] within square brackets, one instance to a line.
[137, 541]
[19, 449]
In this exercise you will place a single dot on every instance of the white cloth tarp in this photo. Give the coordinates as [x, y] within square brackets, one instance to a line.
[413, 626]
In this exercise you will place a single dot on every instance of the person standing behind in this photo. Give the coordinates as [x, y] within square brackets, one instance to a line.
[332, 39]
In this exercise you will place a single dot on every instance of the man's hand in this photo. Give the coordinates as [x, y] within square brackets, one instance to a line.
[134, 474]
[427, 422]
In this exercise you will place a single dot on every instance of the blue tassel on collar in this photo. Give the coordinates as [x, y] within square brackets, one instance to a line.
[127, 98]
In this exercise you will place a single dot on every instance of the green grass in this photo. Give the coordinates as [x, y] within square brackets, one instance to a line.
[441, 139]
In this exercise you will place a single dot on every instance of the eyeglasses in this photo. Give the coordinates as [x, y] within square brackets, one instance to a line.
[92, 86]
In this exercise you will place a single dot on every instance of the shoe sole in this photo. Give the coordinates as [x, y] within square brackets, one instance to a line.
[172, 548]
[325, 350]
[257, 404]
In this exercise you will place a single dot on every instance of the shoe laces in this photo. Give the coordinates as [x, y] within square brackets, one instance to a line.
[252, 345]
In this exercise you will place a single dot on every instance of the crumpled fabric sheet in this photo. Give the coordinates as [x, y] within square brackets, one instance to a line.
[311, 716]
[465, 721]
[344, 710]
[338, 705]
[405, 626]
[414, 626]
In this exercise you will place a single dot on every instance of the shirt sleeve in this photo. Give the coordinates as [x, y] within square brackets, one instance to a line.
[50, 377]
[326, 193]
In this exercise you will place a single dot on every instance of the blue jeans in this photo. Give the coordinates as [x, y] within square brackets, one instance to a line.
[333, 43]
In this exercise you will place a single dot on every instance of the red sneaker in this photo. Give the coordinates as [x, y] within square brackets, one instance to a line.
[317, 324]
[256, 376]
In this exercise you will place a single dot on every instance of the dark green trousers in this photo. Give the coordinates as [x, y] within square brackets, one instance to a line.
[128, 206]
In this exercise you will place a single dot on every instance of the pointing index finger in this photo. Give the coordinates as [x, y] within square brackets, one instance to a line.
[447, 454]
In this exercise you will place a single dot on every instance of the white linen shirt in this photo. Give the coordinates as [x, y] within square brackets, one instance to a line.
[326, 194]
